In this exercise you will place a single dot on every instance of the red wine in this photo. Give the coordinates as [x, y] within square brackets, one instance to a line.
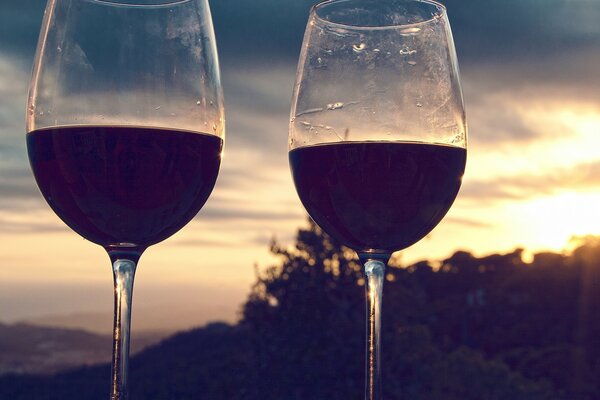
[377, 196]
[116, 185]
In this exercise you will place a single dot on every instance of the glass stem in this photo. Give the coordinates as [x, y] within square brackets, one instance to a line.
[123, 275]
[374, 271]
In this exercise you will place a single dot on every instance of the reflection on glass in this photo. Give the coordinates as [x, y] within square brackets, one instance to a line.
[377, 133]
[125, 129]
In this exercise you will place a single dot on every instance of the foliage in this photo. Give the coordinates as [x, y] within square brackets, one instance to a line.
[485, 328]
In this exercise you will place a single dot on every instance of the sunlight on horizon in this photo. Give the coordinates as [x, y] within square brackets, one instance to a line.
[532, 181]
[232, 233]
[553, 221]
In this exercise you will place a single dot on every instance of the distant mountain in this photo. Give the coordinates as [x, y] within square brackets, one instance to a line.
[26, 349]
[94, 322]
[214, 362]
[492, 327]
[162, 320]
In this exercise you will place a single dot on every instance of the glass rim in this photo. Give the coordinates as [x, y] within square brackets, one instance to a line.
[314, 14]
[138, 3]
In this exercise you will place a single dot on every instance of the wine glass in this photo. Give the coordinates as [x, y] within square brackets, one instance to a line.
[125, 129]
[377, 134]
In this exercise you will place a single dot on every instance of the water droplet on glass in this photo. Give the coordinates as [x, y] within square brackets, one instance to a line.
[214, 127]
[405, 51]
[59, 49]
[172, 114]
[335, 106]
[31, 109]
[310, 111]
[376, 50]
[321, 63]
[359, 47]
[419, 105]
[198, 102]
[410, 31]
[305, 123]
[412, 63]
[157, 108]
[293, 119]
[211, 103]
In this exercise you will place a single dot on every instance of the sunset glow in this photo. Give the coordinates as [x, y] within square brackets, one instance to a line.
[532, 177]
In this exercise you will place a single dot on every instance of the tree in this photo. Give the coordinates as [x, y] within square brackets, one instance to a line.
[306, 316]
[485, 328]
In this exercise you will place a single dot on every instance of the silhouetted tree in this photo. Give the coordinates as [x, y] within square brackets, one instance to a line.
[491, 328]
[308, 317]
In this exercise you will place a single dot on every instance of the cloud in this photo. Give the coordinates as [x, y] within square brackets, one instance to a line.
[30, 225]
[273, 29]
[244, 176]
[494, 121]
[580, 177]
[18, 190]
[466, 222]
[20, 23]
[259, 87]
[513, 51]
[264, 29]
[483, 30]
[14, 81]
[263, 131]
[236, 214]
[17, 184]
[257, 107]
[502, 30]
[256, 240]
[202, 243]
[517, 102]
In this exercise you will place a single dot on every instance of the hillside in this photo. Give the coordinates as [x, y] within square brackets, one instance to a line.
[27, 349]
[492, 327]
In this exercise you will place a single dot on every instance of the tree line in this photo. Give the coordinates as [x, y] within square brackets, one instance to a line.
[484, 328]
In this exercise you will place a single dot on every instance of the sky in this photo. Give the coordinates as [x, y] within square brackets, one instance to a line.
[531, 81]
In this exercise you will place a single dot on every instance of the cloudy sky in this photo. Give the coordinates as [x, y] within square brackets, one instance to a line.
[532, 87]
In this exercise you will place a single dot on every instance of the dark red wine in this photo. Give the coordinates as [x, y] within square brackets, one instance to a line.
[117, 185]
[377, 196]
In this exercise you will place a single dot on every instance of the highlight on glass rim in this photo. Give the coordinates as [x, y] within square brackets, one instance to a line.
[344, 199]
